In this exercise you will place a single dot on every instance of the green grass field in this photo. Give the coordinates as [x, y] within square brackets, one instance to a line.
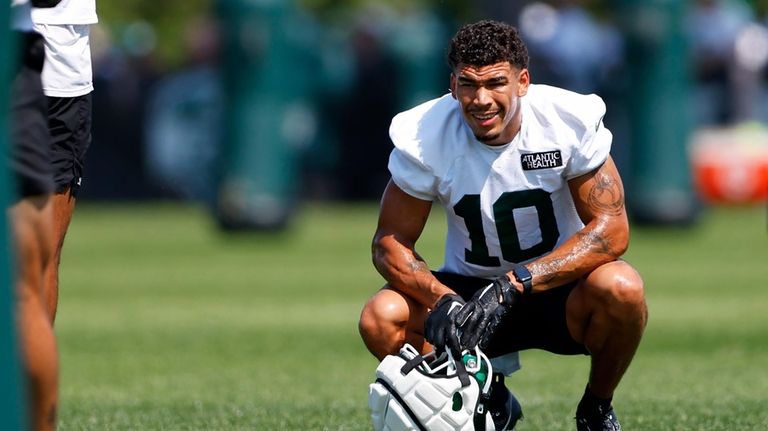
[166, 323]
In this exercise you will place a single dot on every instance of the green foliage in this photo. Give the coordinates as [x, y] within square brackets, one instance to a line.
[167, 324]
[168, 18]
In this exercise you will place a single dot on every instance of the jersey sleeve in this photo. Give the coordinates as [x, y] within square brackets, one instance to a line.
[594, 145]
[423, 138]
[411, 176]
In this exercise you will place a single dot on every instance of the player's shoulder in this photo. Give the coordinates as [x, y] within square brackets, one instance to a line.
[563, 108]
[425, 121]
[428, 130]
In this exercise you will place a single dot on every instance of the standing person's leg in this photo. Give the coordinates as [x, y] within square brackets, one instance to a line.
[63, 205]
[70, 125]
[30, 219]
[67, 83]
[31, 222]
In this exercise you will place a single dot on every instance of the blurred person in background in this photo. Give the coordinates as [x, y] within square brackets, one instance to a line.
[536, 228]
[67, 83]
[726, 82]
[365, 108]
[125, 70]
[569, 48]
[31, 219]
[184, 118]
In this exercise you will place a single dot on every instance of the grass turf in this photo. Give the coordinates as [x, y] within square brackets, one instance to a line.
[166, 323]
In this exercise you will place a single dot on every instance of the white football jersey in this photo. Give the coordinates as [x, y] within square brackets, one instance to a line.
[505, 204]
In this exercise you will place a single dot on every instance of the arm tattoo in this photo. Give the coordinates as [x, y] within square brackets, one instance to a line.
[605, 195]
[417, 264]
[593, 241]
[549, 268]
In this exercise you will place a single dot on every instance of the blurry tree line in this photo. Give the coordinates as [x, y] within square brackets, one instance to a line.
[168, 18]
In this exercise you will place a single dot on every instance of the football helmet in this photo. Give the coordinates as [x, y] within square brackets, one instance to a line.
[432, 392]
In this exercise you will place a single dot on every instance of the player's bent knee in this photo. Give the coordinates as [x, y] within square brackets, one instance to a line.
[385, 322]
[383, 309]
[616, 284]
[629, 289]
[383, 312]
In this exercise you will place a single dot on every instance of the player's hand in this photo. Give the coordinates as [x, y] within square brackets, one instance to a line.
[478, 320]
[440, 326]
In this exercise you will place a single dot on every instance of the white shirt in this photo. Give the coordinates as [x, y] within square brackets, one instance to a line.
[67, 12]
[505, 204]
[66, 28]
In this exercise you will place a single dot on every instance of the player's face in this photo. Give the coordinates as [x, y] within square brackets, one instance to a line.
[490, 99]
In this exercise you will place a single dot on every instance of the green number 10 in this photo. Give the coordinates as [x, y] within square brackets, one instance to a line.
[468, 208]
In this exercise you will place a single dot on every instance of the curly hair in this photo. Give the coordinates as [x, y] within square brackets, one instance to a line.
[487, 42]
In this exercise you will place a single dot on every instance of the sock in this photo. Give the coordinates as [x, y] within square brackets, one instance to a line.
[590, 403]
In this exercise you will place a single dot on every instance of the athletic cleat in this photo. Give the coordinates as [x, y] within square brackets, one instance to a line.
[600, 421]
[508, 412]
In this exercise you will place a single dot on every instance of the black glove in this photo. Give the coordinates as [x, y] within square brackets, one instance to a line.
[478, 320]
[440, 327]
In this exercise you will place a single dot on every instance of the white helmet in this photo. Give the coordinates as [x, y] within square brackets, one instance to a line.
[431, 392]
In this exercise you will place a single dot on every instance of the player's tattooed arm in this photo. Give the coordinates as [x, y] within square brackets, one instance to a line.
[401, 220]
[599, 199]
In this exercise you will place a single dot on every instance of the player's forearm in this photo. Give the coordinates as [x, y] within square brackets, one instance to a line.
[406, 271]
[600, 242]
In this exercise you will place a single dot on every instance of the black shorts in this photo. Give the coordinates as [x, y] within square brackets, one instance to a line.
[537, 322]
[30, 160]
[69, 120]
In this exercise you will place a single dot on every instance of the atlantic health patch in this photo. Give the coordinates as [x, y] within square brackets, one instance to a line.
[548, 159]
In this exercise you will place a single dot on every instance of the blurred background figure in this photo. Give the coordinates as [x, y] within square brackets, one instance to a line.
[728, 52]
[183, 119]
[569, 47]
[125, 69]
[365, 111]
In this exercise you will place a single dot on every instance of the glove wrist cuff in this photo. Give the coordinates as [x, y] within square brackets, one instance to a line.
[508, 292]
[447, 298]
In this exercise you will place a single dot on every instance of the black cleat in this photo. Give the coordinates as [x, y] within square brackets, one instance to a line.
[601, 420]
[505, 410]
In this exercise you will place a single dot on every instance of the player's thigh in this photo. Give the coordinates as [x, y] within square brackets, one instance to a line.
[600, 291]
[31, 227]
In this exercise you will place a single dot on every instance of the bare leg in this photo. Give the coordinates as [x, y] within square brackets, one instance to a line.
[63, 207]
[390, 319]
[32, 234]
[607, 312]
